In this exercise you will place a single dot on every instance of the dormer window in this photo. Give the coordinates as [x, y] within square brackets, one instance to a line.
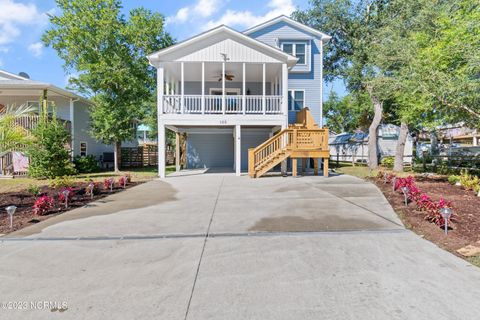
[296, 49]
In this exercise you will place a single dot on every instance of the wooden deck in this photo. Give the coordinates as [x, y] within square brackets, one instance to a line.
[301, 140]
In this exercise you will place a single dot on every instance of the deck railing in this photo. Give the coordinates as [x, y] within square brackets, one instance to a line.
[29, 122]
[287, 141]
[214, 104]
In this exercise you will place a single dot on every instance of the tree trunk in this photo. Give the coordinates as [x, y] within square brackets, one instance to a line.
[372, 132]
[400, 149]
[117, 156]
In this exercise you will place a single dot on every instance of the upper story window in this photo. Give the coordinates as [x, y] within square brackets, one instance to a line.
[296, 100]
[296, 49]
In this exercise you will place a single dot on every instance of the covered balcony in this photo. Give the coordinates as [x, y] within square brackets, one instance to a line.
[232, 88]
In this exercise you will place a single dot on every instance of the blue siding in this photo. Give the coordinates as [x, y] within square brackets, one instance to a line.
[310, 81]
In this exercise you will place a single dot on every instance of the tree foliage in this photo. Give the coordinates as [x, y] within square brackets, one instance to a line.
[107, 53]
[49, 155]
[348, 113]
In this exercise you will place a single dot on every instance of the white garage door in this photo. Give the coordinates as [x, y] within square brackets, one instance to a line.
[251, 138]
[210, 150]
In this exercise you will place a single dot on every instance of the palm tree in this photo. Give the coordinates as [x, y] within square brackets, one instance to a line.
[12, 135]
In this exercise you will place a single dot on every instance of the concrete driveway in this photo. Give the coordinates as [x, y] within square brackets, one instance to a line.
[216, 246]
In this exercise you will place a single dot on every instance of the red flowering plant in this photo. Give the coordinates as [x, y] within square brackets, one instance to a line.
[423, 201]
[404, 182]
[108, 183]
[122, 181]
[433, 211]
[42, 205]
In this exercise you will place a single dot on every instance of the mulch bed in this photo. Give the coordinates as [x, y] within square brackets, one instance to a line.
[24, 201]
[465, 229]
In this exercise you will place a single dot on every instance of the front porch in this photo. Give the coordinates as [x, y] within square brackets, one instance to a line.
[238, 88]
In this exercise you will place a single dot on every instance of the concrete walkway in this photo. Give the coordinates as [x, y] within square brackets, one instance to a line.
[220, 247]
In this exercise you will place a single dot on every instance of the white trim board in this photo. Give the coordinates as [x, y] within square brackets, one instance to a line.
[323, 36]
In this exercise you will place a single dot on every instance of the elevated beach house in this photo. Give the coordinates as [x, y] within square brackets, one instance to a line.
[231, 91]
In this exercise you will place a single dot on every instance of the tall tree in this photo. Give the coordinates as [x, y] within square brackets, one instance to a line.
[107, 52]
[431, 51]
[354, 27]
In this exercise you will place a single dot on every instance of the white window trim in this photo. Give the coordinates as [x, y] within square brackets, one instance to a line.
[291, 107]
[234, 90]
[86, 148]
[294, 50]
[38, 104]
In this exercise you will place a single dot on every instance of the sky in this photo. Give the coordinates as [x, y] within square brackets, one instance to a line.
[22, 23]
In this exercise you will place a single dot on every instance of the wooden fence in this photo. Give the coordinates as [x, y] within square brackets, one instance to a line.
[144, 156]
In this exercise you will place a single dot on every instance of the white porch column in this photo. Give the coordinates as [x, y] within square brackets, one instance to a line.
[285, 93]
[244, 99]
[203, 87]
[161, 126]
[223, 87]
[182, 85]
[264, 106]
[160, 74]
[167, 83]
[238, 151]
[72, 129]
[284, 107]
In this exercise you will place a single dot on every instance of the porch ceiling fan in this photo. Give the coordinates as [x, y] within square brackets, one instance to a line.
[227, 76]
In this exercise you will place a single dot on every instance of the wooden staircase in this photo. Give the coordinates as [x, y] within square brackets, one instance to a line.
[304, 139]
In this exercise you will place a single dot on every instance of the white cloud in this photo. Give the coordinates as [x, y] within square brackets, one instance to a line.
[246, 19]
[14, 15]
[36, 49]
[200, 9]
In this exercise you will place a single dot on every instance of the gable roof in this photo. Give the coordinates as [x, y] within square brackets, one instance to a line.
[233, 34]
[323, 36]
[14, 82]
[10, 76]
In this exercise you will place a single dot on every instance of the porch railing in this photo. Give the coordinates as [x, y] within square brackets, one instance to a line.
[213, 104]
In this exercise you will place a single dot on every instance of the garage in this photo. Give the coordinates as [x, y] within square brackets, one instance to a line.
[210, 150]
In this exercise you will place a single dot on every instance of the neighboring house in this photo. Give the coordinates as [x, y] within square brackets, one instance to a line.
[353, 147]
[70, 108]
[457, 134]
[230, 91]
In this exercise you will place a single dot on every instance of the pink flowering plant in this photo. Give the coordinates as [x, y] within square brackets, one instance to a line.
[422, 200]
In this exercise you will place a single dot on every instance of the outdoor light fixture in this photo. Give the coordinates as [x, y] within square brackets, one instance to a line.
[446, 214]
[65, 196]
[11, 211]
[405, 192]
[91, 186]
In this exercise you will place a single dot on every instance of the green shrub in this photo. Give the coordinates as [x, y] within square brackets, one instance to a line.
[453, 179]
[87, 164]
[388, 162]
[62, 182]
[49, 157]
[468, 181]
[33, 190]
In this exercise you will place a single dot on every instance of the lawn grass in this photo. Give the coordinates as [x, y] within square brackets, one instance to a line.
[137, 174]
[362, 171]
